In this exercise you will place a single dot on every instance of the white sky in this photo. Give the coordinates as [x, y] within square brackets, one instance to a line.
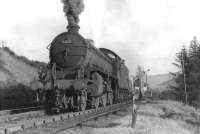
[146, 32]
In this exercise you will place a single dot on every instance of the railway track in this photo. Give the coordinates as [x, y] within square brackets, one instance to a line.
[20, 110]
[16, 114]
[56, 123]
[11, 117]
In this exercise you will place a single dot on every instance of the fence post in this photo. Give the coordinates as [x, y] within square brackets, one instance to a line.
[134, 113]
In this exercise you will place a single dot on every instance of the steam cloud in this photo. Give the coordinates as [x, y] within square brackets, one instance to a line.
[72, 9]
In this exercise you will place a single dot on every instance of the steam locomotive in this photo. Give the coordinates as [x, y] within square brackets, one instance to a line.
[82, 76]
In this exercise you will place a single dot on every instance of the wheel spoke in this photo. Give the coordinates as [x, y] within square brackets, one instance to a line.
[96, 102]
[83, 103]
[104, 100]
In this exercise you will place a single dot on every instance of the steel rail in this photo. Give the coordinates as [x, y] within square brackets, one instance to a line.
[96, 114]
[20, 110]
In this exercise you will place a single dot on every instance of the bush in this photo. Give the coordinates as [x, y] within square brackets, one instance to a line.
[17, 96]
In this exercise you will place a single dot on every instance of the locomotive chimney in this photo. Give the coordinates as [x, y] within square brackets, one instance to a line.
[73, 28]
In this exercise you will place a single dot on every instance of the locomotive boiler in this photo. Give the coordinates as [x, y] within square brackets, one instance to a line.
[81, 76]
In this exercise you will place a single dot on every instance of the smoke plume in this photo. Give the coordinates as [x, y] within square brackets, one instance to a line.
[72, 9]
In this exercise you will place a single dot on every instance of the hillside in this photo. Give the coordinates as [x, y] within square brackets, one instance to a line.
[16, 69]
[16, 72]
[161, 82]
[157, 117]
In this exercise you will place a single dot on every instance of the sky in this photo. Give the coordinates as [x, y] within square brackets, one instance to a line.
[143, 32]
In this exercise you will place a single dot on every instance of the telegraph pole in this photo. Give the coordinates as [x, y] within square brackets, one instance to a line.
[184, 78]
[133, 122]
[147, 81]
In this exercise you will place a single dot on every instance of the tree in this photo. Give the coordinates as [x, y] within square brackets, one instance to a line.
[187, 79]
[181, 62]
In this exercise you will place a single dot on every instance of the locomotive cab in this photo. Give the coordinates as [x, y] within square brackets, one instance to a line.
[120, 73]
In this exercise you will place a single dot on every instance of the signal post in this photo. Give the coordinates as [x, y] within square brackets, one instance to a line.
[134, 112]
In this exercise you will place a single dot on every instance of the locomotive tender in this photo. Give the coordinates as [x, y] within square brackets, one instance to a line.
[82, 76]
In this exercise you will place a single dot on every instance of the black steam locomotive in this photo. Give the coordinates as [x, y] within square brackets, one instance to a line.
[82, 76]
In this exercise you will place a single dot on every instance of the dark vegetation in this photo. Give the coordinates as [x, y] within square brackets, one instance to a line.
[165, 95]
[18, 96]
[188, 63]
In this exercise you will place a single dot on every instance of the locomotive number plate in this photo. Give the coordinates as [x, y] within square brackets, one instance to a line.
[66, 41]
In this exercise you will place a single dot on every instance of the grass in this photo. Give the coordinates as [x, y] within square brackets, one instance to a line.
[157, 117]
[17, 69]
[24, 59]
